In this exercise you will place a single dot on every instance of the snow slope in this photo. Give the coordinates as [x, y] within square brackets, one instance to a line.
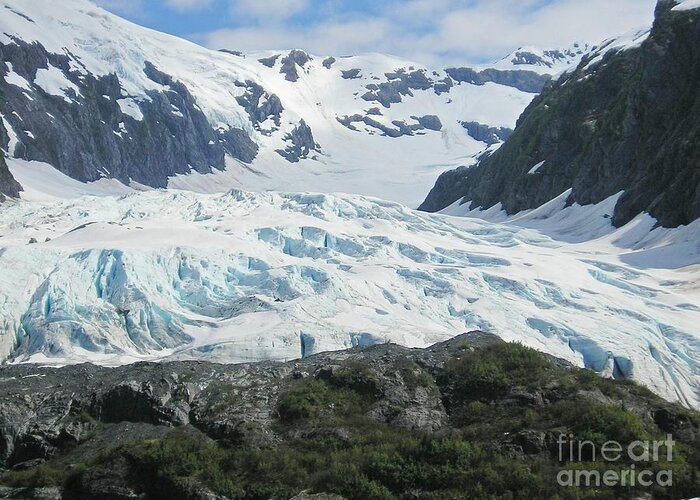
[552, 62]
[352, 157]
[687, 4]
[244, 276]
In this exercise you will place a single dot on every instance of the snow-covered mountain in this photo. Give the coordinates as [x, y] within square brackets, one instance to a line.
[98, 98]
[549, 62]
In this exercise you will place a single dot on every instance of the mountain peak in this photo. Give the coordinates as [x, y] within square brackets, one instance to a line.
[551, 61]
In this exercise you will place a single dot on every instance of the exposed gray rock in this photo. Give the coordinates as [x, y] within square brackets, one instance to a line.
[300, 143]
[269, 61]
[238, 144]
[416, 80]
[523, 58]
[429, 122]
[8, 185]
[533, 442]
[236, 53]
[295, 59]
[329, 62]
[87, 136]
[400, 83]
[527, 81]
[260, 105]
[484, 133]
[443, 86]
[349, 122]
[43, 410]
[549, 57]
[351, 74]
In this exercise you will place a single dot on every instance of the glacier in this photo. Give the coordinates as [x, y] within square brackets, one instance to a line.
[243, 276]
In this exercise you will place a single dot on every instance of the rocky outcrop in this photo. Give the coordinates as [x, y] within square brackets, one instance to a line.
[236, 53]
[43, 410]
[402, 82]
[92, 130]
[261, 106]
[625, 120]
[429, 122]
[400, 128]
[527, 81]
[351, 74]
[399, 83]
[291, 62]
[112, 428]
[549, 59]
[487, 134]
[9, 187]
[269, 61]
[300, 143]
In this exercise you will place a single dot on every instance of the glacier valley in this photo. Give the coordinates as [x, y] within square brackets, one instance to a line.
[241, 276]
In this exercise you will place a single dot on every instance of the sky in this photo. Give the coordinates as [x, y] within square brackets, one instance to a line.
[432, 32]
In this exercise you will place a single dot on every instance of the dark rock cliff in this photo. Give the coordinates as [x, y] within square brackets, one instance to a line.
[9, 187]
[628, 122]
[87, 135]
[487, 134]
[527, 81]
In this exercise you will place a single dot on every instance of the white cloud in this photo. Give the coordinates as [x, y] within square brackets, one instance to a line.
[434, 32]
[498, 26]
[326, 38]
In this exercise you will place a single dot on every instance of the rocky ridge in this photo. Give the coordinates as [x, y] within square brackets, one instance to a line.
[625, 120]
[94, 432]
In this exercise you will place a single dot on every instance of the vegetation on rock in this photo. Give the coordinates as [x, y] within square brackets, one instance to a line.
[336, 430]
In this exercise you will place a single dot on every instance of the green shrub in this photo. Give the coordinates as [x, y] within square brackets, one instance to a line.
[185, 456]
[42, 476]
[312, 398]
[477, 379]
[489, 373]
[357, 377]
[413, 376]
[600, 423]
